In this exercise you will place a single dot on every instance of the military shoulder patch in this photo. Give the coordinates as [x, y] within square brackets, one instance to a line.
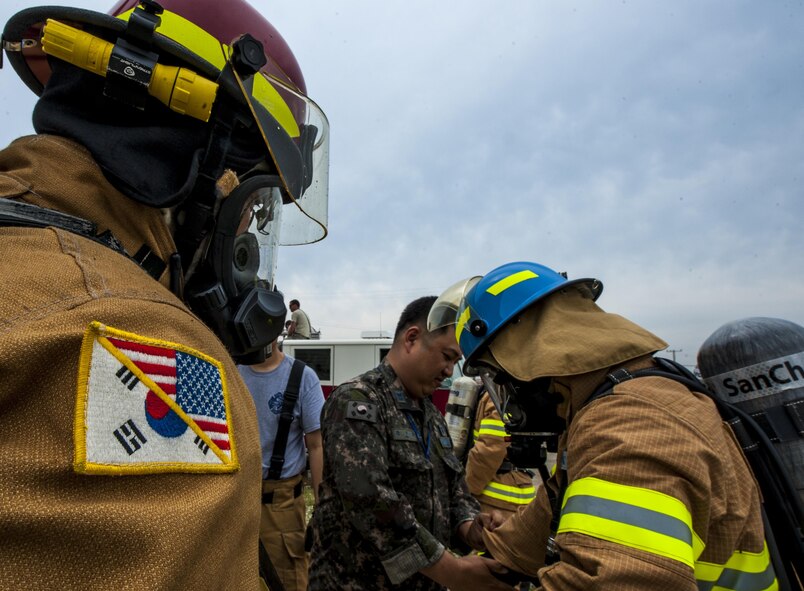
[146, 406]
[361, 411]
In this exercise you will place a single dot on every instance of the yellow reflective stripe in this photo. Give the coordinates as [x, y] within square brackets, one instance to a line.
[633, 495]
[492, 422]
[510, 281]
[493, 432]
[627, 535]
[744, 571]
[493, 427]
[461, 324]
[631, 516]
[265, 93]
[510, 494]
[207, 47]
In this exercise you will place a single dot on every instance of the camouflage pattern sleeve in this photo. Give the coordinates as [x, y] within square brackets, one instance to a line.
[355, 430]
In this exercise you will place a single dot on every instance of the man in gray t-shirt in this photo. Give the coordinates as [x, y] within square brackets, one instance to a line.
[283, 517]
[299, 322]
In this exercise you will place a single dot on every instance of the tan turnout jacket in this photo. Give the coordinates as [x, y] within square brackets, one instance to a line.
[135, 524]
[650, 434]
[659, 494]
[505, 491]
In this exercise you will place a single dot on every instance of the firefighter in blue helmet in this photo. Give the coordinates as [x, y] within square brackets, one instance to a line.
[651, 490]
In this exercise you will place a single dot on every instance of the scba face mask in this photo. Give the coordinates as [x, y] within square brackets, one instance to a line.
[230, 288]
[529, 411]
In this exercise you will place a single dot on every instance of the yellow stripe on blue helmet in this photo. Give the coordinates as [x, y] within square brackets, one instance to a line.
[500, 296]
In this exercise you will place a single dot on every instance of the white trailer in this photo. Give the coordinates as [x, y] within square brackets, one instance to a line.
[338, 361]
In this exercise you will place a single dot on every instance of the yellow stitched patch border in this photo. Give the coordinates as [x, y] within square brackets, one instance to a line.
[147, 406]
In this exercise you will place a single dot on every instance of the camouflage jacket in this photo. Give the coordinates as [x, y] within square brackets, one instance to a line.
[393, 492]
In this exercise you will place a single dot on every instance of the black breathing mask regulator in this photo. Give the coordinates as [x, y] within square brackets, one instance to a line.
[231, 287]
[529, 411]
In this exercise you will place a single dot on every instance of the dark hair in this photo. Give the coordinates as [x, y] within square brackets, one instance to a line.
[415, 314]
[294, 302]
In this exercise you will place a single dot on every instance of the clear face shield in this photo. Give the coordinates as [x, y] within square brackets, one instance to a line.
[296, 134]
[246, 310]
[445, 309]
[260, 218]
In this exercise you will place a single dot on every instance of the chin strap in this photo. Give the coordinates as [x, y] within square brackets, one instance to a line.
[21, 214]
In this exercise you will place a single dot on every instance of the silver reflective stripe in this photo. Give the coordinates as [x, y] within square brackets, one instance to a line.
[631, 515]
[736, 580]
[512, 493]
[640, 518]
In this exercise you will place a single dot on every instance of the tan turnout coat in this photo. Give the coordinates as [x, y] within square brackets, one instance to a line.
[505, 491]
[651, 438]
[61, 529]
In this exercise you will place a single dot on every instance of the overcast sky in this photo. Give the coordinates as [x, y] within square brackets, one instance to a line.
[657, 146]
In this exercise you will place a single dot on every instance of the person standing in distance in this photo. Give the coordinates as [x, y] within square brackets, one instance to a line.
[283, 521]
[299, 322]
[393, 497]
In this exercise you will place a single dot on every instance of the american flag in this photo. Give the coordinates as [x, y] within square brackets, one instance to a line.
[193, 383]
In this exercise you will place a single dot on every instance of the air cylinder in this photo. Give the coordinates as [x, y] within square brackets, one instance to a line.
[460, 412]
[757, 364]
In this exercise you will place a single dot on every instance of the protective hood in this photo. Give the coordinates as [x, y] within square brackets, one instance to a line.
[568, 334]
[151, 156]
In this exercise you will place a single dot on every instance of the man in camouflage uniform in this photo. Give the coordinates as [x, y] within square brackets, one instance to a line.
[393, 495]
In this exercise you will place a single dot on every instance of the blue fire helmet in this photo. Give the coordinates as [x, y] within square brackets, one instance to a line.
[501, 295]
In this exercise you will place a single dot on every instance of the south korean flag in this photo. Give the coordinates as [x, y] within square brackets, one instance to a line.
[147, 406]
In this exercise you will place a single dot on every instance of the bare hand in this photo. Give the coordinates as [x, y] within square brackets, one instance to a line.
[473, 532]
[477, 573]
[467, 573]
[493, 520]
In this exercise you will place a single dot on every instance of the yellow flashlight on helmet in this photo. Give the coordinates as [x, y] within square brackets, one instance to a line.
[181, 89]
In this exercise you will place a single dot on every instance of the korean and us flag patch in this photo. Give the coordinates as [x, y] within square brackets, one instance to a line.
[146, 406]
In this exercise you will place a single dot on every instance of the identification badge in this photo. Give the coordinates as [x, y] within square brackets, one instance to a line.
[146, 406]
[404, 435]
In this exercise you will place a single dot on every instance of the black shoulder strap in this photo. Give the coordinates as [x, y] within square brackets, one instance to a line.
[270, 578]
[21, 214]
[285, 419]
[782, 508]
[309, 324]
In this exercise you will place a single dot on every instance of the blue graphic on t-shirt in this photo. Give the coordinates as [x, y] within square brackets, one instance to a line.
[275, 402]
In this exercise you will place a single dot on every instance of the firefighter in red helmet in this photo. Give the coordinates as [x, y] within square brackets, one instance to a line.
[139, 229]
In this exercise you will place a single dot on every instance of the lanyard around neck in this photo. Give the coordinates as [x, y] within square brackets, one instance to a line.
[415, 427]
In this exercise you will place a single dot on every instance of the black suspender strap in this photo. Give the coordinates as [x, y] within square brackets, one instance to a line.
[25, 215]
[270, 578]
[285, 419]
